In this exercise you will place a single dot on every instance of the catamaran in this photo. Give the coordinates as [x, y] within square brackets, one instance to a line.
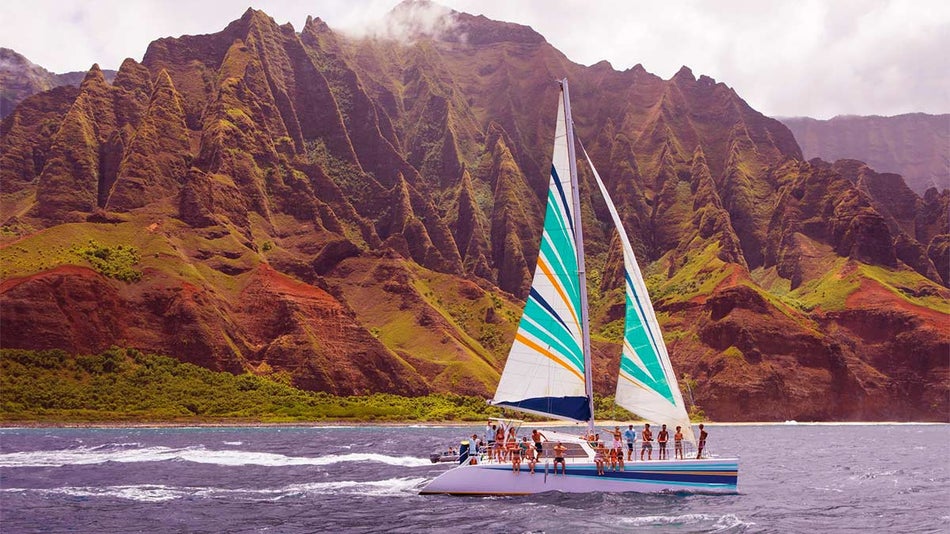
[548, 370]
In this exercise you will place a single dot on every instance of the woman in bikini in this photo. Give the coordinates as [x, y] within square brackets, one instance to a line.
[599, 453]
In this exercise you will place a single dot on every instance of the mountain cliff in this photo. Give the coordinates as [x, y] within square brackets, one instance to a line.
[913, 145]
[363, 214]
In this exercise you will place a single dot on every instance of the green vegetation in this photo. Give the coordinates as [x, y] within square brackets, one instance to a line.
[115, 262]
[126, 385]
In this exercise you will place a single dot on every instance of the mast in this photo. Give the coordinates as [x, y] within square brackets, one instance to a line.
[581, 266]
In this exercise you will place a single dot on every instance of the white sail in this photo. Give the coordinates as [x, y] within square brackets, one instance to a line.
[646, 384]
[546, 372]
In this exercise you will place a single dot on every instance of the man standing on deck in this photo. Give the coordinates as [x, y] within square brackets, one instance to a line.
[702, 441]
[631, 436]
[647, 445]
[661, 440]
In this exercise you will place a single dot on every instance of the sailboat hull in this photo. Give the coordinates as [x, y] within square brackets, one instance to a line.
[692, 476]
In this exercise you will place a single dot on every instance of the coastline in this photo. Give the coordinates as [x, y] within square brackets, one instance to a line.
[12, 425]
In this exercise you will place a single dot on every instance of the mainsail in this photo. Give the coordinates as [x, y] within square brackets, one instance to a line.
[546, 372]
[646, 384]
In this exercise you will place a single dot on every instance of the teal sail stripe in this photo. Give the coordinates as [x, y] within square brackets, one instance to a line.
[641, 340]
[551, 334]
[558, 250]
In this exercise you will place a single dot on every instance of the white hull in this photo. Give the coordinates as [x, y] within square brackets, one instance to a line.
[695, 476]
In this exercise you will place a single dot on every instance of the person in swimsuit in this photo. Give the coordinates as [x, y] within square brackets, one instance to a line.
[647, 437]
[559, 451]
[618, 442]
[536, 438]
[511, 445]
[661, 440]
[599, 453]
[499, 447]
[678, 443]
[612, 458]
[702, 441]
[515, 453]
[531, 455]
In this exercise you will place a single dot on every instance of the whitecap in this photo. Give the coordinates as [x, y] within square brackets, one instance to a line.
[160, 493]
[99, 455]
[718, 522]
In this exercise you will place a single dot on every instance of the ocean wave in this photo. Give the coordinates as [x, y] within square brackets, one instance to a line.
[122, 454]
[717, 522]
[161, 493]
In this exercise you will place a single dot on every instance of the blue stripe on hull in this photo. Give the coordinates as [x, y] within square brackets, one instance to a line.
[576, 408]
[716, 477]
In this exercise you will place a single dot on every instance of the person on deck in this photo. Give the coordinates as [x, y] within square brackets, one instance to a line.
[599, 456]
[612, 457]
[531, 455]
[678, 444]
[515, 455]
[702, 441]
[511, 445]
[536, 436]
[661, 440]
[499, 447]
[647, 446]
[559, 451]
[631, 436]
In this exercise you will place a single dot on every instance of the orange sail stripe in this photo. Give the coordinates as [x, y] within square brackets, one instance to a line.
[560, 291]
[547, 353]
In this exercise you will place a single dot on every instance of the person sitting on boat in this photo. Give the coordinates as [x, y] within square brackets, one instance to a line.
[515, 456]
[536, 437]
[631, 436]
[661, 440]
[678, 444]
[523, 447]
[612, 455]
[647, 437]
[599, 453]
[618, 441]
[702, 441]
[593, 440]
[559, 451]
[531, 456]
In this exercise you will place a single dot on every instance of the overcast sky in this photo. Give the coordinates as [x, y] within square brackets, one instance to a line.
[817, 58]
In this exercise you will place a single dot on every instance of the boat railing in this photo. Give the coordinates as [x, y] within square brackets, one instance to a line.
[576, 452]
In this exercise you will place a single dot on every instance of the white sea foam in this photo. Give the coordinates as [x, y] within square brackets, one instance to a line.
[103, 454]
[232, 442]
[718, 522]
[160, 493]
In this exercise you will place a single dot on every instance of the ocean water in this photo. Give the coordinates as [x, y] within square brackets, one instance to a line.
[793, 478]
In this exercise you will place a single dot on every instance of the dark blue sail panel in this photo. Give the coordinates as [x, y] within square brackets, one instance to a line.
[576, 408]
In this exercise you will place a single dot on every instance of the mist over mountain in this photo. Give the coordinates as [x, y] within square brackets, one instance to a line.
[362, 213]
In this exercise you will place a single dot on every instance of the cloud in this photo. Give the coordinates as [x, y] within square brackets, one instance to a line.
[406, 23]
[810, 57]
